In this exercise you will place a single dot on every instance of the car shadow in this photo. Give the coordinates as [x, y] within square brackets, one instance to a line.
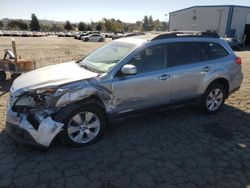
[177, 147]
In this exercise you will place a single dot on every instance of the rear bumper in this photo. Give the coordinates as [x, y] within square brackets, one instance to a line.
[236, 82]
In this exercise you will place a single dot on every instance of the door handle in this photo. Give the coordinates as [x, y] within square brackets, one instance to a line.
[164, 77]
[206, 69]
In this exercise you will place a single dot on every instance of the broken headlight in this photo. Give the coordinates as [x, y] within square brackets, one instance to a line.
[45, 91]
[34, 99]
[25, 101]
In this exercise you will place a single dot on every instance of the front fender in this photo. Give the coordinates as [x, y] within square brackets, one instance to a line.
[79, 91]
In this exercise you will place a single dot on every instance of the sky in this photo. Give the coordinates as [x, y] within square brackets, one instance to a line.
[94, 10]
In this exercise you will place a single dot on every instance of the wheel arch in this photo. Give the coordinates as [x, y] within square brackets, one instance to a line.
[93, 99]
[224, 82]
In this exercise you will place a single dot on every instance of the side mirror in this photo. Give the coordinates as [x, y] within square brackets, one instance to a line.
[129, 70]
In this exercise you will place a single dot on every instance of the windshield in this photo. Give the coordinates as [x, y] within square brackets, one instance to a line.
[107, 56]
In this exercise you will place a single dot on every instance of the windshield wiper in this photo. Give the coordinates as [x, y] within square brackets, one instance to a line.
[86, 67]
[78, 61]
[90, 68]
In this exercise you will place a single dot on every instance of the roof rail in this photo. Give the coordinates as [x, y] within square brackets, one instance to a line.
[181, 34]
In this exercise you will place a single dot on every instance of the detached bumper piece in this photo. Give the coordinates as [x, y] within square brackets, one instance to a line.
[41, 134]
[21, 135]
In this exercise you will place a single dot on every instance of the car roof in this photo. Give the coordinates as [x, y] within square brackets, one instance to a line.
[153, 36]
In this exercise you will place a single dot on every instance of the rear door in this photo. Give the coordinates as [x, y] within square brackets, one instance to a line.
[92, 37]
[190, 66]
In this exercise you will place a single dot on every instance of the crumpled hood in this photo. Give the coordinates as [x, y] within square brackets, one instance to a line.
[50, 76]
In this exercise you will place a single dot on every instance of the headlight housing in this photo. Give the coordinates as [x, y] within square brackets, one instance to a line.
[25, 101]
[33, 99]
[45, 91]
[71, 96]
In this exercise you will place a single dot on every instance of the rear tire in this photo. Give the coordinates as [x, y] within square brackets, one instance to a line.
[101, 40]
[2, 75]
[214, 98]
[86, 40]
[83, 125]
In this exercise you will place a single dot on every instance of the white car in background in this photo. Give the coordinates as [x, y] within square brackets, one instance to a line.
[93, 38]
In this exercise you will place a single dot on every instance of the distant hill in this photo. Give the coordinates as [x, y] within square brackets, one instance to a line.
[42, 21]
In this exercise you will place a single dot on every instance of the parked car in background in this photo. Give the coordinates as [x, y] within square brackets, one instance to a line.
[80, 34]
[61, 34]
[23, 33]
[15, 33]
[65, 34]
[76, 100]
[6, 33]
[234, 43]
[133, 34]
[108, 35]
[26, 34]
[117, 35]
[36, 34]
[11, 33]
[68, 34]
[93, 38]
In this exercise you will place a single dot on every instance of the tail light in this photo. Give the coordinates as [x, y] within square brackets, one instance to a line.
[238, 60]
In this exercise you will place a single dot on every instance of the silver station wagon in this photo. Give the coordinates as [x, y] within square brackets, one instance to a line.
[76, 100]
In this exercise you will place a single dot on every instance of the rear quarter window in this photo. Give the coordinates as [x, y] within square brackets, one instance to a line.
[215, 50]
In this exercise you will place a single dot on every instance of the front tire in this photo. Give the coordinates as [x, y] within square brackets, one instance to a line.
[214, 98]
[83, 125]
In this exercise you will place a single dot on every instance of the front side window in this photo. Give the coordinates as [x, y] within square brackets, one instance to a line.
[149, 59]
[106, 57]
[185, 53]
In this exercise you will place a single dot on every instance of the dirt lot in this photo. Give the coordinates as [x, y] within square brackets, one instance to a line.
[171, 149]
[49, 50]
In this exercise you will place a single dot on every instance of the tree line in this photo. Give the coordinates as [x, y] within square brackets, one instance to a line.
[107, 25]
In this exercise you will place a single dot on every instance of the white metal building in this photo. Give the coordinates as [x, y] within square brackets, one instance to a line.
[227, 20]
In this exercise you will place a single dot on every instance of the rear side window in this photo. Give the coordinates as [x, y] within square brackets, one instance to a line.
[185, 53]
[215, 50]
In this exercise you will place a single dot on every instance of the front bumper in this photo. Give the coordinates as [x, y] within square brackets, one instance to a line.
[23, 131]
[21, 135]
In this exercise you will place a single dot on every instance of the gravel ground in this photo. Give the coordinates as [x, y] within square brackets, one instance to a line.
[177, 148]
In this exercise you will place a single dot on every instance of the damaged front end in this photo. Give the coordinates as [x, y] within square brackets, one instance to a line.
[34, 112]
[29, 118]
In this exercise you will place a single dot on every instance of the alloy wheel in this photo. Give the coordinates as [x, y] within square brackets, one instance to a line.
[215, 99]
[83, 127]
